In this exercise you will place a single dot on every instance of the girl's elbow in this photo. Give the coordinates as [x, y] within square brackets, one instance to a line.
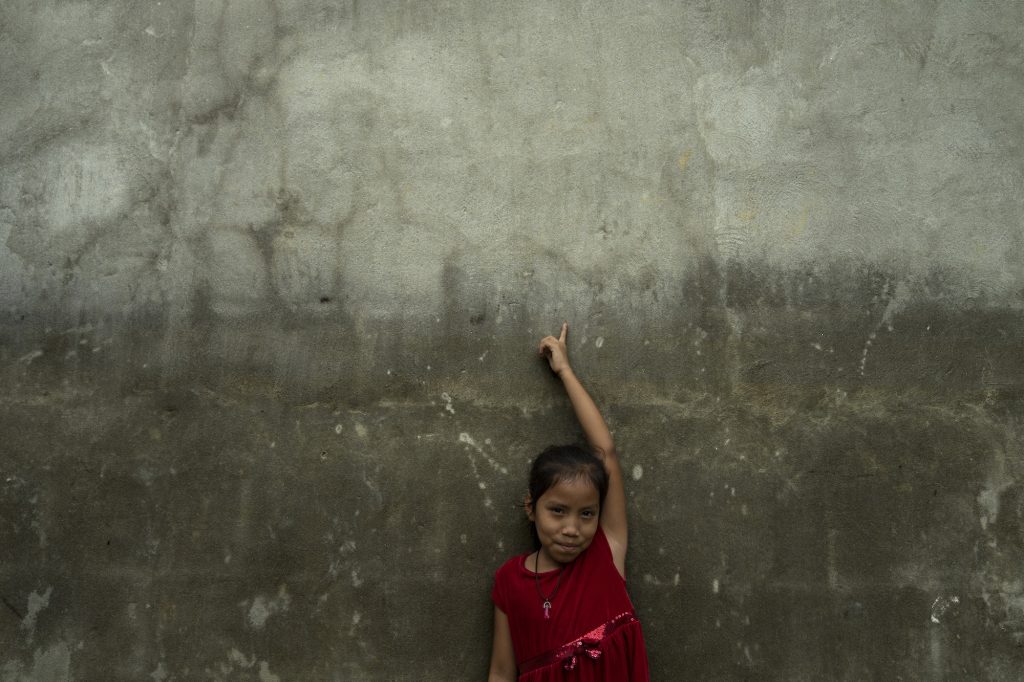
[501, 675]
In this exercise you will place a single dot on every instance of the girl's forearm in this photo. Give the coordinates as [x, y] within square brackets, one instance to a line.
[594, 427]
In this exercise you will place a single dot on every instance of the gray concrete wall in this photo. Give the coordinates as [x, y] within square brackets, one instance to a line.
[271, 275]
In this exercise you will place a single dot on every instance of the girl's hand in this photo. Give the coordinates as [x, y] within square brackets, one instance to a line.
[553, 350]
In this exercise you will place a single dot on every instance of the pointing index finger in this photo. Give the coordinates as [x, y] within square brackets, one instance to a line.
[565, 329]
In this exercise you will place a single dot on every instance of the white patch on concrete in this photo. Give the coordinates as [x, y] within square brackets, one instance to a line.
[146, 475]
[160, 674]
[338, 428]
[361, 430]
[53, 663]
[864, 353]
[238, 658]
[468, 440]
[29, 357]
[448, 405]
[356, 580]
[259, 612]
[86, 185]
[715, 586]
[988, 500]
[495, 464]
[263, 608]
[36, 604]
[941, 605]
[638, 472]
[357, 618]
[266, 675]
[599, 341]
[897, 302]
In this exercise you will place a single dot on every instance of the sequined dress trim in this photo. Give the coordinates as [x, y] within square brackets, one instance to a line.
[588, 645]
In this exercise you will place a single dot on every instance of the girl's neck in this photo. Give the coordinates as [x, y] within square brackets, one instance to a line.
[541, 564]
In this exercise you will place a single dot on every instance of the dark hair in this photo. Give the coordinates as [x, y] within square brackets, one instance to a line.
[565, 463]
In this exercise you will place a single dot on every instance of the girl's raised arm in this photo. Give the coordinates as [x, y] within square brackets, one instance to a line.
[613, 512]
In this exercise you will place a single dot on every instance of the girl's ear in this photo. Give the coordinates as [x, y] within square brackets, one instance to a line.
[528, 506]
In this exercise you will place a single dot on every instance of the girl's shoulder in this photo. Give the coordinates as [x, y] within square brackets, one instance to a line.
[512, 565]
[508, 583]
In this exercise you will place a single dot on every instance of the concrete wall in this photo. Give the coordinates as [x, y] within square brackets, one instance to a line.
[272, 272]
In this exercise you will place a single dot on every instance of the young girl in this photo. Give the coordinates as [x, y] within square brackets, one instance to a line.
[562, 612]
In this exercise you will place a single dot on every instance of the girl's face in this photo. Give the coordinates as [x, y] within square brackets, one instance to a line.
[566, 518]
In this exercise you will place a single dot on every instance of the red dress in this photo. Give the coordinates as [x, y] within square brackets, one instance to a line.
[593, 633]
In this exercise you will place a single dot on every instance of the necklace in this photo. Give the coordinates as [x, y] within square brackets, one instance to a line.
[536, 582]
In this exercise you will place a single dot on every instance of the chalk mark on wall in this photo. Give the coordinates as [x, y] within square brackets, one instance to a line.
[941, 605]
[895, 301]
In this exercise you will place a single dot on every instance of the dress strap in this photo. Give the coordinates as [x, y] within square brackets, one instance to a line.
[588, 645]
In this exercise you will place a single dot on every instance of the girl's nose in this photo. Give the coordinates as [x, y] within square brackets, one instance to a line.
[572, 529]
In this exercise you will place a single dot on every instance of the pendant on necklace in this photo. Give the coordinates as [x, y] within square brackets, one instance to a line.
[547, 610]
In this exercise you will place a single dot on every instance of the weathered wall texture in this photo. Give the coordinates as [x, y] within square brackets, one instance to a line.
[272, 271]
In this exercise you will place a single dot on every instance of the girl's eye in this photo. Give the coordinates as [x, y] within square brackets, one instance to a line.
[588, 514]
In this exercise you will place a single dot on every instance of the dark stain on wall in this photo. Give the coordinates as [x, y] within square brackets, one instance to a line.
[798, 513]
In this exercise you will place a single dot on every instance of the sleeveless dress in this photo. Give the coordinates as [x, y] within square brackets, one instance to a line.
[592, 634]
